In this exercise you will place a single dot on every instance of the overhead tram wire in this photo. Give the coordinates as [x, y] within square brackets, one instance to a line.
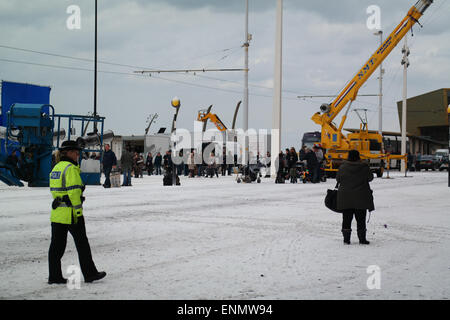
[133, 66]
[87, 59]
[128, 66]
[112, 72]
[186, 70]
[136, 75]
[140, 67]
[91, 60]
[240, 83]
[190, 59]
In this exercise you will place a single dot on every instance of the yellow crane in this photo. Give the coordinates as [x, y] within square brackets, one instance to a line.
[205, 115]
[332, 138]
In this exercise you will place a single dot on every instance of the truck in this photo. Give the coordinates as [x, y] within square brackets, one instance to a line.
[336, 144]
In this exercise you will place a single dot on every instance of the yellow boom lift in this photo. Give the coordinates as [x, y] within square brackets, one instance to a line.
[332, 138]
[205, 115]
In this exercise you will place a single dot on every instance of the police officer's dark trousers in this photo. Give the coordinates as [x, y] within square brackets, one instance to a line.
[58, 246]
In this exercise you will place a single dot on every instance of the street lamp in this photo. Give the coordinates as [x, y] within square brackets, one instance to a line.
[176, 103]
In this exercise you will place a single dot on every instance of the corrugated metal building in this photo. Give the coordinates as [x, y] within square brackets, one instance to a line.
[427, 121]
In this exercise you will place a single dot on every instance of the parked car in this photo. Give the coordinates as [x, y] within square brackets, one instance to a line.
[427, 162]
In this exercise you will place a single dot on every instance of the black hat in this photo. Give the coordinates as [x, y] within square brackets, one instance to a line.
[69, 145]
[353, 155]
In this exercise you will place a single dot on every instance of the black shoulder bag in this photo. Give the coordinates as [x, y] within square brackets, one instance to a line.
[331, 199]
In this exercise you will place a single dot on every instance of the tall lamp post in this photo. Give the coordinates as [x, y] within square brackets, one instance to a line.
[277, 95]
[176, 103]
[380, 96]
[95, 70]
[247, 38]
[405, 63]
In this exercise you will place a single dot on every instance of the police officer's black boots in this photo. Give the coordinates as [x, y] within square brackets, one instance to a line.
[347, 234]
[362, 236]
[98, 276]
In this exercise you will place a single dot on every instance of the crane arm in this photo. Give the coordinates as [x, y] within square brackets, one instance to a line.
[219, 124]
[349, 93]
[204, 116]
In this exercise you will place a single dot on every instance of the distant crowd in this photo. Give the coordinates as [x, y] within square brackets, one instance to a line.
[134, 164]
[307, 164]
[291, 164]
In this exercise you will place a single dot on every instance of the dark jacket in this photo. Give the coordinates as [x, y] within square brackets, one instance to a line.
[280, 162]
[310, 157]
[292, 160]
[158, 160]
[109, 159]
[126, 161]
[354, 190]
[167, 160]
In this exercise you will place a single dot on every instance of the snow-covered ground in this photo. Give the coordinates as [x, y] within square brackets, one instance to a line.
[216, 239]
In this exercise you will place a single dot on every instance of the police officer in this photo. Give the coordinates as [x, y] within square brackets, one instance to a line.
[67, 189]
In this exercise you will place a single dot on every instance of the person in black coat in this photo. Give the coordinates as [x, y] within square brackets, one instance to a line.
[311, 162]
[280, 170]
[109, 162]
[354, 195]
[158, 161]
[224, 163]
[126, 163]
[292, 159]
[167, 161]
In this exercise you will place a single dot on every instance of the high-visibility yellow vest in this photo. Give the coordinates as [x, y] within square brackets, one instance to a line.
[65, 180]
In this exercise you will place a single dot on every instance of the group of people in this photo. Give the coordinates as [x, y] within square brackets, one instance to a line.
[190, 166]
[211, 166]
[134, 164]
[287, 163]
[131, 163]
[194, 165]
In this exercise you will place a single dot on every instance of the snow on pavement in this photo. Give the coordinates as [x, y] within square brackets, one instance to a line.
[217, 239]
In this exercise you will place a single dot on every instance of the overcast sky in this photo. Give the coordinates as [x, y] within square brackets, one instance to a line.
[324, 45]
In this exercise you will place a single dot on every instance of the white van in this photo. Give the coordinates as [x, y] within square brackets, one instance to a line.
[441, 154]
[442, 157]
